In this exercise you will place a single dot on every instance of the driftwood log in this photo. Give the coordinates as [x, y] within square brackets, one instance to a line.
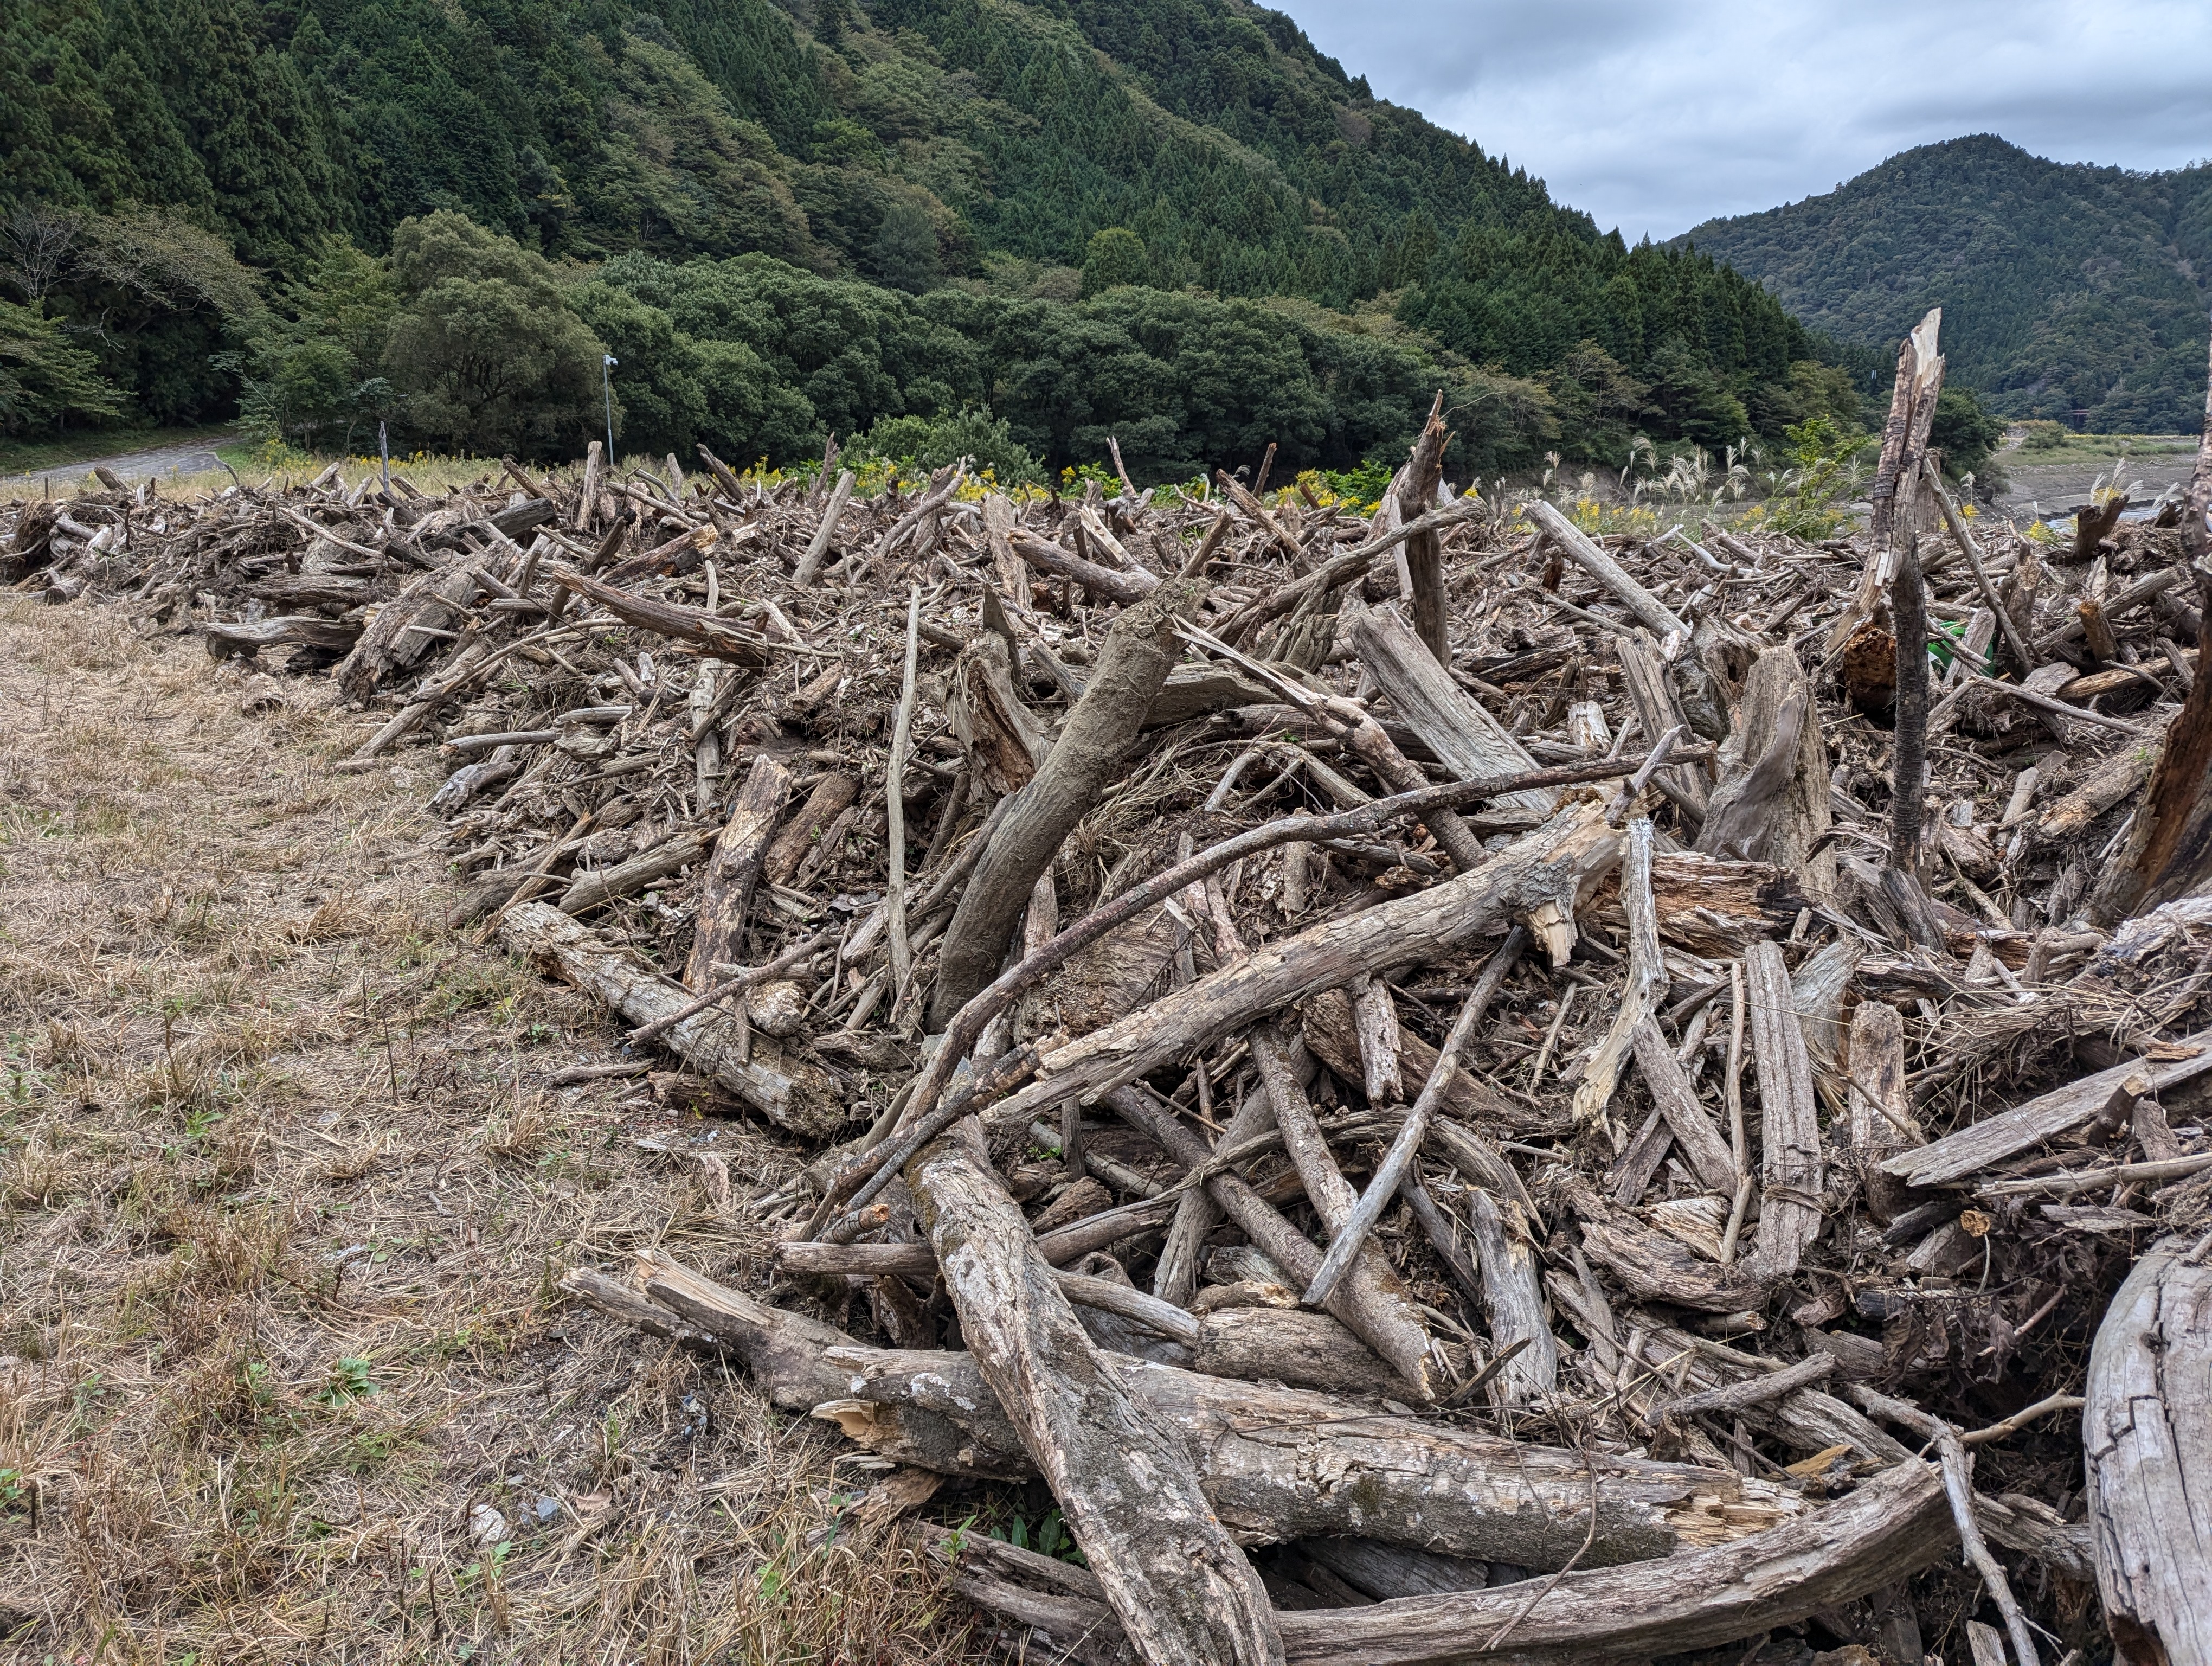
[789, 1090]
[1133, 664]
[2148, 1433]
[1176, 1580]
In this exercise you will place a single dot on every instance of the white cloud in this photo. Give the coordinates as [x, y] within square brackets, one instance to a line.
[1654, 117]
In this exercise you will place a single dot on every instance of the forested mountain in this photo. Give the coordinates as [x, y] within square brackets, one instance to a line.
[2064, 288]
[1174, 218]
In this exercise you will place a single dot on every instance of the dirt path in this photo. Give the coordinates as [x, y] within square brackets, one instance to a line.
[285, 1192]
[157, 463]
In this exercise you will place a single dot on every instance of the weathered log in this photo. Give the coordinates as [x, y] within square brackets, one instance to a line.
[1513, 1297]
[1328, 1029]
[1882, 1121]
[2146, 1432]
[226, 641]
[1373, 1304]
[799, 1096]
[1537, 879]
[2169, 848]
[1126, 589]
[1646, 986]
[1790, 1129]
[1424, 550]
[1279, 1463]
[1466, 739]
[810, 562]
[1891, 1527]
[719, 935]
[586, 891]
[832, 795]
[2008, 1133]
[1772, 805]
[1702, 1145]
[1177, 1582]
[1658, 708]
[1578, 548]
[1913, 401]
[703, 630]
[1133, 663]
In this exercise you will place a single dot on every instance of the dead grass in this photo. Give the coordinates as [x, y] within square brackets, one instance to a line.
[285, 1201]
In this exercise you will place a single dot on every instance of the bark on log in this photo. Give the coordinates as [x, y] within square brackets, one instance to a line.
[1790, 1128]
[1180, 1587]
[801, 1097]
[1537, 879]
[1466, 739]
[2146, 1432]
[718, 934]
[1139, 650]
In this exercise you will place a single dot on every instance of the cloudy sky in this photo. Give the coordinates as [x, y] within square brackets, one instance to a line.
[1655, 115]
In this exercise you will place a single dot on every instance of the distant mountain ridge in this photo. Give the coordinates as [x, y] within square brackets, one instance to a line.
[1024, 204]
[2065, 288]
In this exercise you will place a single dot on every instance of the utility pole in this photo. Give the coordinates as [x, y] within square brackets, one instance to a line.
[607, 361]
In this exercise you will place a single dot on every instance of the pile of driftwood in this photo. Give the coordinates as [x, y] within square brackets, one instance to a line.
[1452, 1086]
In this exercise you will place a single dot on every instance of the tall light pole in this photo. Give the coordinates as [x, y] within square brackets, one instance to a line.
[607, 362]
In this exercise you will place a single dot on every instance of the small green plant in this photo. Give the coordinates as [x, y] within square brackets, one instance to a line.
[2043, 435]
[351, 1379]
[1050, 1537]
[1823, 472]
[15, 1492]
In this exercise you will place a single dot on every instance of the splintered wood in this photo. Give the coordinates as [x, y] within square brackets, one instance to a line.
[1456, 1086]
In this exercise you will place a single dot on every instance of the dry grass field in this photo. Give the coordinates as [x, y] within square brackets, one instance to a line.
[285, 1194]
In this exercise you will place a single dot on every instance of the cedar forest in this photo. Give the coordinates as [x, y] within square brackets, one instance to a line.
[1017, 229]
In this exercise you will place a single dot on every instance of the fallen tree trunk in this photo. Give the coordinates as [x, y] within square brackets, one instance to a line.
[801, 1097]
[1131, 665]
[1276, 1464]
[734, 868]
[1537, 880]
[1468, 740]
[1891, 1527]
[1176, 1581]
[2147, 1434]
